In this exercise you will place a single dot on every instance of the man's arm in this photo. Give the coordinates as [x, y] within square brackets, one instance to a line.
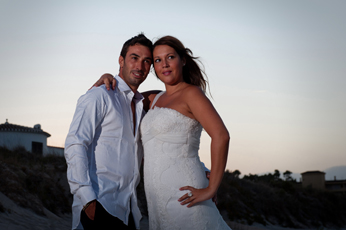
[89, 112]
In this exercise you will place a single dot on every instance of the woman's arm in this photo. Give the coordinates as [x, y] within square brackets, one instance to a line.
[109, 80]
[204, 112]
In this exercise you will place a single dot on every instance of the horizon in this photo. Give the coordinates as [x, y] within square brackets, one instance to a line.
[276, 70]
[332, 173]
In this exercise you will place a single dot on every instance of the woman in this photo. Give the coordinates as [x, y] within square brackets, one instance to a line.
[178, 193]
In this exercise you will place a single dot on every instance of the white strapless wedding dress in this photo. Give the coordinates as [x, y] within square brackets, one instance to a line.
[171, 161]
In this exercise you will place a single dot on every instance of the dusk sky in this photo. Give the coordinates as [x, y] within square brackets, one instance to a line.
[277, 69]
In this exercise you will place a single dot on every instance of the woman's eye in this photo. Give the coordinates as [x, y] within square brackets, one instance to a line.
[157, 60]
[170, 57]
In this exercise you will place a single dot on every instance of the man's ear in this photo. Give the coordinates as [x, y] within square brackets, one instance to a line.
[121, 61]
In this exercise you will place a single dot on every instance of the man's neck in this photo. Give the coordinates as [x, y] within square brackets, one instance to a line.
[133, 88]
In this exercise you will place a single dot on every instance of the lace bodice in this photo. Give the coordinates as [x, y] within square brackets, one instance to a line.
[170, 120]
[172, 127]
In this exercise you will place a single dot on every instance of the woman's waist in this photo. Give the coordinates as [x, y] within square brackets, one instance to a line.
[173, 178]
[166, 170]
[191, 157]
[182, 138]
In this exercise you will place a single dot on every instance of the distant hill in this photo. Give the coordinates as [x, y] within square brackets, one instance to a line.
[338, 171]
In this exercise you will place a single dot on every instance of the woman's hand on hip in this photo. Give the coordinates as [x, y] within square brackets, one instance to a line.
[194, 196]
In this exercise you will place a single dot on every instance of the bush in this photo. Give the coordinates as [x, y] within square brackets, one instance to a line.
[34, 181]
[268, 199]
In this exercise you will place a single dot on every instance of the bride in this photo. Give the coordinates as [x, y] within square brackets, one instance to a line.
[178, 193]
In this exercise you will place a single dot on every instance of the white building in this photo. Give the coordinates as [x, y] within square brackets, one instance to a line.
[32, 139]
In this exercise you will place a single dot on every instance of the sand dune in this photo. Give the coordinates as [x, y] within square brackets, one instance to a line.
[18, 218]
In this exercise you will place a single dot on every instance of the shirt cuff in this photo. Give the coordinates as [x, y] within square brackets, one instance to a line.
[86, 194]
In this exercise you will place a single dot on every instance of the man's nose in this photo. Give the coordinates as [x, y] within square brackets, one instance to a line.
[140, 65]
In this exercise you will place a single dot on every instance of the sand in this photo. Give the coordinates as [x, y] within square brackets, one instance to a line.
[18, 218]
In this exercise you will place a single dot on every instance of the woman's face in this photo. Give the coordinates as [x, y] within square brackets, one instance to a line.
[168, 64]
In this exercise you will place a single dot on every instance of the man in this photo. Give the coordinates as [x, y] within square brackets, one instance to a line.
[102, 148]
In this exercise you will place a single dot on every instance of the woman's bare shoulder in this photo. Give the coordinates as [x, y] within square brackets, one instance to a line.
[193, 91]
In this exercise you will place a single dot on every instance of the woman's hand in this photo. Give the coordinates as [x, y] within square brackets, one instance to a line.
[106, 79]
[195, 196]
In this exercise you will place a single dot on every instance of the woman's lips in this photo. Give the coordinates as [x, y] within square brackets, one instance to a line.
[166, 73]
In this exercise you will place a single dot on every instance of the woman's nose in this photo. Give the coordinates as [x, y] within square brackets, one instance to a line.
[165, 63]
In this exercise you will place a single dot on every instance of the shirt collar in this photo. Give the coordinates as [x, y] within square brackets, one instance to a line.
[123, 87]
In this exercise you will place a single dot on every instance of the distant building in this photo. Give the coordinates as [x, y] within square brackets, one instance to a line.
[316, 179]
[336, 185]
[32, 139]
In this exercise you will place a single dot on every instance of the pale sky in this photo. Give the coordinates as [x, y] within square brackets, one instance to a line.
[276, 69]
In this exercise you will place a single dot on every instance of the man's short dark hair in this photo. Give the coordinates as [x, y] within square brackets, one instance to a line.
[139, 39]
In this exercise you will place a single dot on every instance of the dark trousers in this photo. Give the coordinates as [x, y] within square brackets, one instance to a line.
[104, 220]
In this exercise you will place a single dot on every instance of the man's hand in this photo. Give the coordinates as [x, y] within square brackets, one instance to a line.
[214, 199]
[106, 79]
[90, 210]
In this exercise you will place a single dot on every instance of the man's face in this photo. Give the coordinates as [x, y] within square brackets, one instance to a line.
[136, 65]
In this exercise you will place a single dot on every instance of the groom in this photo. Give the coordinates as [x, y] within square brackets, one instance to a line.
[103, 150]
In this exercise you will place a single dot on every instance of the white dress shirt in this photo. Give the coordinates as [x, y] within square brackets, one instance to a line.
[102, 153]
